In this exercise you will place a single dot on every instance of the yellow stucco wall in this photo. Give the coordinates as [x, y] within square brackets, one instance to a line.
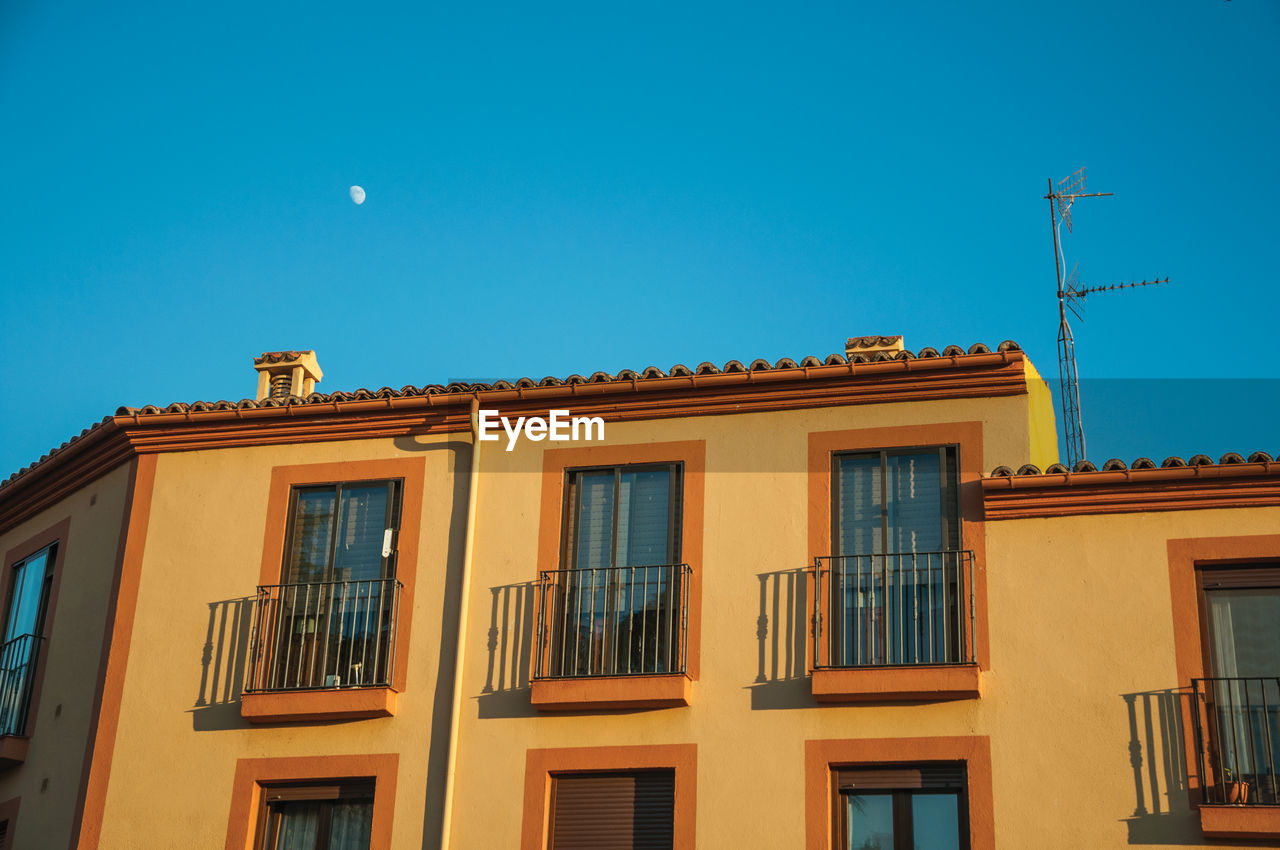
[180, 726]
[1082, 673]
[1078, 617]
[60, 726]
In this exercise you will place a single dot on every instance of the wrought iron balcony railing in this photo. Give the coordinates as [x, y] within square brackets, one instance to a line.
[18, 659]
[894, 609]
[612, 621]
[337, 634]
[1237, 739]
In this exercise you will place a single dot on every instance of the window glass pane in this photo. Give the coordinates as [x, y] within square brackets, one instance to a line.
[870, 819]
[299, 825]
[644, 528]
[595, 520]
[935, 821]
[25, 594]
[312, 535]
[362, 522]
[860, 529]
[914, 503]
[1245, 631]
[350, 824]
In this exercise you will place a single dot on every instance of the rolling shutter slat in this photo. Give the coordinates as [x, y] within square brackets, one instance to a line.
[933, 776]
[614, 811]
[1261, 575]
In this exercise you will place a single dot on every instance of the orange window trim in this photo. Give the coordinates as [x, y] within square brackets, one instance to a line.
[822, 755]
[973, 535]
[542, 763]
[692, 454]
[413, 471]
[58, 533]
[1185, 554]
[122, 604]
[252, 774]
[9, 812]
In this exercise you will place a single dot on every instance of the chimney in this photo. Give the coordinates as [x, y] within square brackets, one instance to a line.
[870, 346]
[285, 373]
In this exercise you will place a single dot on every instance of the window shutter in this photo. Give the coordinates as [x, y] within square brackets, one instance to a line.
[614, 811]
[4, 833]
[1240, 576]
[949, 776]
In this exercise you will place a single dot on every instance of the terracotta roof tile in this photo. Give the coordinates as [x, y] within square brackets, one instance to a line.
[1117, 465]
[651, 373]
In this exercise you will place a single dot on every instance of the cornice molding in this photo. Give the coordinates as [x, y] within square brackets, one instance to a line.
[124, 436]
[1239, 485]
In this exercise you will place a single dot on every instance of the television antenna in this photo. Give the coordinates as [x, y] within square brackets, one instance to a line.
[1071, 297]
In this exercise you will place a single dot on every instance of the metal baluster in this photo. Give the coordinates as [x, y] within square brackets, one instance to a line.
[1266, 727]
[687, 573]
[631, 619]
[644, 620]
[1198, 732]
[973, 617]
[671, 617]
[288, 647]
[946, 600]
[1235, 746]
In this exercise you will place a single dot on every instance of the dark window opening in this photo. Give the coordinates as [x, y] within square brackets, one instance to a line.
[898, 582]
[30, 582]
[616, 606]
[1238, 702]
[331, 621]
[613, 811]
[336, 815]
[907, 807]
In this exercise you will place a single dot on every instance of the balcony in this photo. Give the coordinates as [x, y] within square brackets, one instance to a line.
[1237, 739]
[612, 638]
[322, 651]
[18, 660]
[894, 627]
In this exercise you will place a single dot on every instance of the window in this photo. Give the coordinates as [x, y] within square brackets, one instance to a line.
[613, 811]
[29, 584]
[897, 578]
[333, 816]
[896, 501]
[1239, 700]
[616, 605]
[342, 532]
[907, 807]
[330, 623]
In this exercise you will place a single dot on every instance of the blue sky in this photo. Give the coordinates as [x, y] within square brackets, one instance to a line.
[559, 188]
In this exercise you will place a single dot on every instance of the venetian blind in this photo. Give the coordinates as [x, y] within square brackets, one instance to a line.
[910, 496]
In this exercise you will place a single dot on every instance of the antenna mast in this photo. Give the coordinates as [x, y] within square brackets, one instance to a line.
[1070, 297]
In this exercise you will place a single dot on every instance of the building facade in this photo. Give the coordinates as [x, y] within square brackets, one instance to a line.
[846, 602]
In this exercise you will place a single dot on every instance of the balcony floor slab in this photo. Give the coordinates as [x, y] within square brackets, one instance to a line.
[612, 692]
[908, 683]
[313, 705]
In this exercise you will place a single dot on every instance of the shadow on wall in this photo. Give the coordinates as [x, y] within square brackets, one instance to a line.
[781, 633]
[506, 689]
[1162, 811]
[222, 670]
